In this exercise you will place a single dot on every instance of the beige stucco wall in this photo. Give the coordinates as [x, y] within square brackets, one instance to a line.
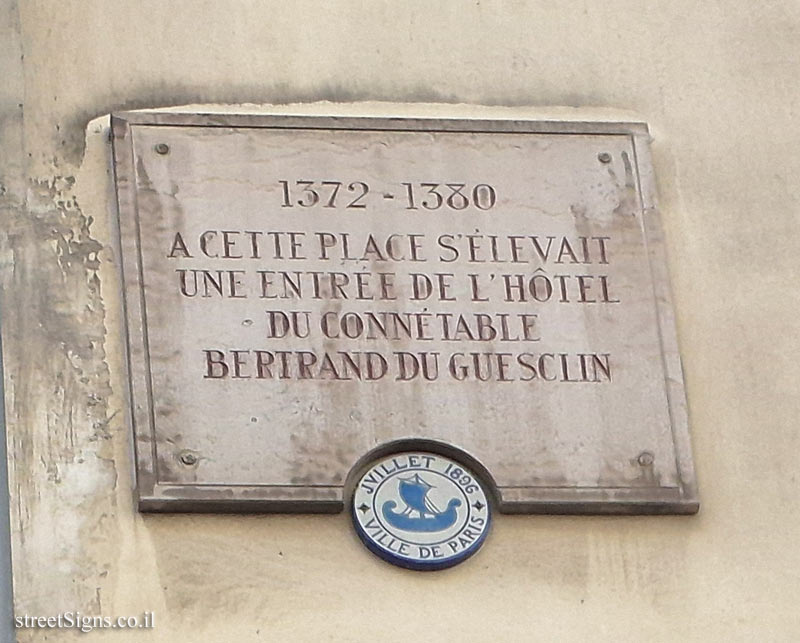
[717, 81]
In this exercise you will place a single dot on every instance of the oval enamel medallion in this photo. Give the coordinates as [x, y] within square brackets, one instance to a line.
[421, 510]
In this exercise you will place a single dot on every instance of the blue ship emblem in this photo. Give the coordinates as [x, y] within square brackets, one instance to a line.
[414, 493]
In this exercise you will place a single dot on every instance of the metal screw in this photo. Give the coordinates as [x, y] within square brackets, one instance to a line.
[162, 148]
[188, 458]
[604, 157]
[645, 459]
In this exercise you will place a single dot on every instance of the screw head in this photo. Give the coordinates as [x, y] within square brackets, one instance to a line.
[188, 458]
[162, 148]
[645, 459]
[604, 157]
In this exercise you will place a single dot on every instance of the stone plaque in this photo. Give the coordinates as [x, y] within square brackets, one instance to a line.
[304, 295]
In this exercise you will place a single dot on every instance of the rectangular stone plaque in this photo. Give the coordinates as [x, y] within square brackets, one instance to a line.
[304, 292]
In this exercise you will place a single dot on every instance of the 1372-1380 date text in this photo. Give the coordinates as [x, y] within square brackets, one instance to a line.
[357, 195]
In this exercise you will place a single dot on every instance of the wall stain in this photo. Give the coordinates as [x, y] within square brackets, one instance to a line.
[61, 465]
